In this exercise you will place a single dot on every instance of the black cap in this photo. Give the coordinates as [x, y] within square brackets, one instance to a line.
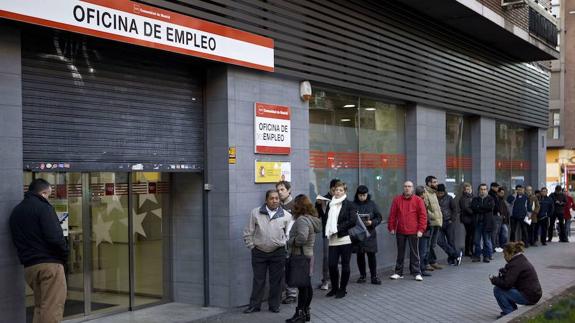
[494, 184]
[441, 188]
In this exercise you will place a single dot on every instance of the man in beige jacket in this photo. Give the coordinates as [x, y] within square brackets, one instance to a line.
[266, 235]
[436, 219]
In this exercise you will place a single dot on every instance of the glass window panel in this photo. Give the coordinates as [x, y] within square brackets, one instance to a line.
[458, 152]
[512, 155]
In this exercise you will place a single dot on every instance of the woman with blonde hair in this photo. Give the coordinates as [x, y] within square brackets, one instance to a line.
[517, 282]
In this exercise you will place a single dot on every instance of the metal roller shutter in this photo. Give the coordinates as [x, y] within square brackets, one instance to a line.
[91, 104]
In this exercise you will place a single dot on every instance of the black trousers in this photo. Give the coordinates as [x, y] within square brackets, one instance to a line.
[562, 229]
[541, 228]
[371, 259]
[402, 240]
[335, 253]
[519, 225]
[264, 263]
[304, 296]
[469, 234]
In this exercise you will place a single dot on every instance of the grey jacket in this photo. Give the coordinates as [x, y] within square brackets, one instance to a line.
[267, 234]
[302, 235]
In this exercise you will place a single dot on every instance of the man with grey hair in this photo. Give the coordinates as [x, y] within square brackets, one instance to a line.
[408, 221]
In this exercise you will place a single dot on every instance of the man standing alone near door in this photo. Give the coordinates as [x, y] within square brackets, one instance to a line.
[42, 249]
[266, 235]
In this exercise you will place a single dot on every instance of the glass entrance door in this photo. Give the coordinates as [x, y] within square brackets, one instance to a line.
[110, 269]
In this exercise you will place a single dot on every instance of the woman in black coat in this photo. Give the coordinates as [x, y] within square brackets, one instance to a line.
[517, 282]
[369, 213]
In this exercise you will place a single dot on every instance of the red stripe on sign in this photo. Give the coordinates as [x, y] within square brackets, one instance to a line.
[273, 150]
[272, 111]
[183, 20]
[512, 164]
[129, 40]
[330, 159]
[454, 162]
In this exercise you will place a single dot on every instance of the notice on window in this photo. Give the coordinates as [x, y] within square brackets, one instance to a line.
[272, 171]
[272, 129]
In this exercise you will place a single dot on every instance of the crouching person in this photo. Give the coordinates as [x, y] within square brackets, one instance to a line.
[517, 282]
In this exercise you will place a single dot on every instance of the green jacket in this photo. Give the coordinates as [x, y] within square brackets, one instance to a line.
[432, 206]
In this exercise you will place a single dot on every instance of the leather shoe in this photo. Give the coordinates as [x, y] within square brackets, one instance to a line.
[251, 310]
[274, 309]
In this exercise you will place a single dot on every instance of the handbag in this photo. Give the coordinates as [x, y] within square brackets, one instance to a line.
[297, 270]
[359, 231]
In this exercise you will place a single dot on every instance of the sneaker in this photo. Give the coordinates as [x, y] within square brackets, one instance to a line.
[475, 259]
[331, 293]
[425, 274]
[289, 300]
[498, 249]
[361, 280]
[486, 260]
[324, 285]
[418, 278]
[375, 280]
[395, 277]
[437, 266]
[340, 293]
[429, 268]
[459, 258]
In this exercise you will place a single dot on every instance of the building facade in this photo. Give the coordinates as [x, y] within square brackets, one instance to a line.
[561, 147]
[158, 151]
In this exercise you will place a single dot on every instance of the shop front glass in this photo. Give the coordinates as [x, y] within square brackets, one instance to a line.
[512, 155]
[458, 152]
[103, 257]
[359, 141]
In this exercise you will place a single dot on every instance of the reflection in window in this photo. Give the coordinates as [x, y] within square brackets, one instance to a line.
[458, 152]
[512, 155]
[357, 140]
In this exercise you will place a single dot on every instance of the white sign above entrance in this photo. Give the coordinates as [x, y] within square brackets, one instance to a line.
[143, 25]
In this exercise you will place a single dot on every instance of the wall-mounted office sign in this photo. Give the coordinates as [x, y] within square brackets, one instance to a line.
[272, 171]
[143, 25]
[272, 129]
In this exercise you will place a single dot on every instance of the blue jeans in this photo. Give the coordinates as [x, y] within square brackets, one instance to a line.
[431, 257]
[503, 235]
[508, 299]
[481, 234]
[423, 252]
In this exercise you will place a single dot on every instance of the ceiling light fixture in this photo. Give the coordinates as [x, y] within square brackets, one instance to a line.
[369, 109]
[349, 106]
[345, 120]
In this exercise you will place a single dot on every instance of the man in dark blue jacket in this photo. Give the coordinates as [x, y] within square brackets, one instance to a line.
[545, 212]
[42, 249]
[520, 210]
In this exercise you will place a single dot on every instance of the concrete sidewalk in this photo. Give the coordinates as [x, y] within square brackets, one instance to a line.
[454, 294]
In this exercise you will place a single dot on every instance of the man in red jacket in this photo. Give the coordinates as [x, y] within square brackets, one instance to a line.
[408, 221]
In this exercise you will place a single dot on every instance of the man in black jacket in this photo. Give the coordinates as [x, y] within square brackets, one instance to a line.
[559, 202]
[322, 206]
[42, 249]
[482, 206]
[446, 239]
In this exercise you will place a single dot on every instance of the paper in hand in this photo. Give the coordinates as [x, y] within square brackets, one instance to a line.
[321, 198]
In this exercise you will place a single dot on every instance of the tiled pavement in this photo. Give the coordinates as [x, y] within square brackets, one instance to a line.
[454, 294]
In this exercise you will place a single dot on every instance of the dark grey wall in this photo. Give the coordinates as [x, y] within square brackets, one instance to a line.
[11, 273]
[382, 48]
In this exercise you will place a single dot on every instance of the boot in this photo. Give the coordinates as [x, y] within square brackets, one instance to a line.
[298, 317]
[307, 314]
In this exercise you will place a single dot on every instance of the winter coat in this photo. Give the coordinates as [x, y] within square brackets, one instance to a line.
[302, 235]
[320, 212]
[495, 198]
[483, 211]
[36, 232]
[432, 206]
[448, 209]
[545, 207]
[371, 212]
[559, 201]
[346, 219]
[407, 215]
[520, 206]
[519, 273]
[466, 214]
[267, 234]
[568, 207]
[503, 210]
[534, 203]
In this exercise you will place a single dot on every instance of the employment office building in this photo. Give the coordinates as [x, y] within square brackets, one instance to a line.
[162, 123]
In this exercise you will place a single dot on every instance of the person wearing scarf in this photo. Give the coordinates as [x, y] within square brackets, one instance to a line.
[341, 216]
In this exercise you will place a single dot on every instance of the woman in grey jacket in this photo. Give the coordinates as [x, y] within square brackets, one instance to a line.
[302, 239]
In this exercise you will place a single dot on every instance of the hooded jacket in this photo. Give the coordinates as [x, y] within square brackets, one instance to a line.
[519, 273]
[432, 206]
[36, 232]
[407, 215]
[302, 235]
[448, 208]
[267, 234]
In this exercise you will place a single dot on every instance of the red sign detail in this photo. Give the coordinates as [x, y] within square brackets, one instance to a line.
[152, 188]
[61, 191]
[109, 188]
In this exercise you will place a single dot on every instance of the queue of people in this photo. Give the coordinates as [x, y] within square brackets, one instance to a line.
[421, 218]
